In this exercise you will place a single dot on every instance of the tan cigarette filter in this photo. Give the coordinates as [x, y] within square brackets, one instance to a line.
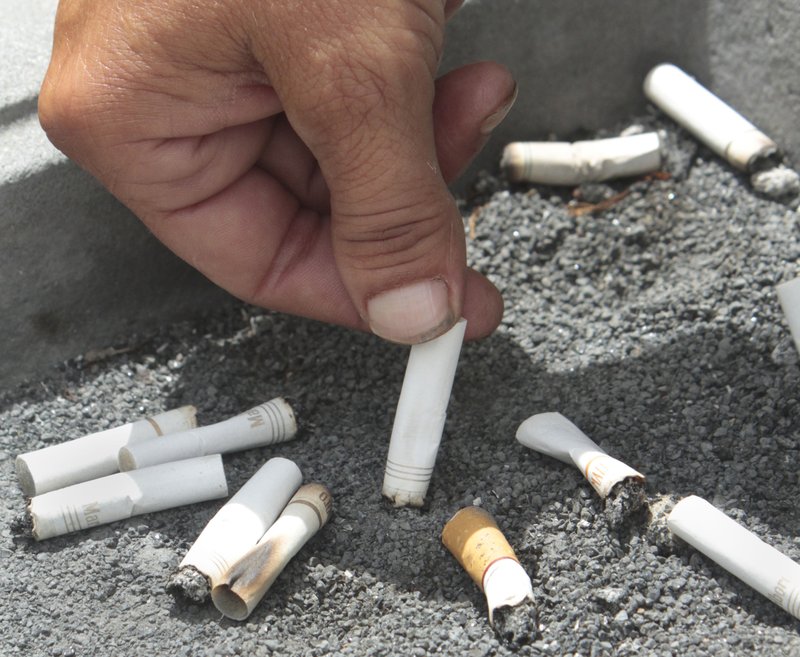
[474, 539]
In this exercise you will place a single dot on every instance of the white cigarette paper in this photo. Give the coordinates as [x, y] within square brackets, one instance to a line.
[506, 584]
[419, 420]
[708, 118]
[244, 519]
[738, 550]
[266, 424]
[94, 455]
[554, 435]
[789, 298]
[245, 584]
[127, 494]
[564, 163]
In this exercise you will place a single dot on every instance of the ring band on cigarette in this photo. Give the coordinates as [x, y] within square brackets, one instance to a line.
[245, 584]
[789, 298]
[474, 539]
[127, 494]
[707, 117]
[565, 163]
[419, 420]
[266, 424]
[239, 524]
[554, 435]
[94, 455]
[738, 550]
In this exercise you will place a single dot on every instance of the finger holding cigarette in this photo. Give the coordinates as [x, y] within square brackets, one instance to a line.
[236, 528]
[246, 582]
[266, 424]
[94, 455]
[420, 417]
[127, 494]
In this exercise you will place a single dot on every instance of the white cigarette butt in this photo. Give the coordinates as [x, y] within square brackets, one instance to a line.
[127, 494]
[245, 584]
[554, 435]
[789, 298]
[240, 523]
[707, 117]
[419, 420]
[738, 550]
[564, 163]
[94, 455]
[266, 424]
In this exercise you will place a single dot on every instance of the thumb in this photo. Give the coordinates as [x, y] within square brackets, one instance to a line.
[362, 102]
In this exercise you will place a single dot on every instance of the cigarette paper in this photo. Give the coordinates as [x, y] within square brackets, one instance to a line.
[708, 118]
[473, 538]
[127, 494]
[248, 580]
[95, 455]
[564, 163]
[420, 416]
[789, 298]
[237, 527]
[266, 424]
[556, 436]
[738, 551]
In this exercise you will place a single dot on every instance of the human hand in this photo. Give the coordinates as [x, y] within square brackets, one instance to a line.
[296, 153]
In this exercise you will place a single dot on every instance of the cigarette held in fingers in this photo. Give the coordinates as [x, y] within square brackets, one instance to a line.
[127, 494]
[738, 550]
[474, 539]
[554, 435]
[236, 528]
[94, 455]
[266, 424]
[419, 420]
[565, 163]
[244, 585]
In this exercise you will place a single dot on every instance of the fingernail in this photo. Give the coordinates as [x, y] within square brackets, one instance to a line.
[411, 314]
[496, 117]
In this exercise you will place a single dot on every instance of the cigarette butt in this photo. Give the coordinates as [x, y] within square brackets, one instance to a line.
[564, 163]
[94, 455]
[789, 298]
[554, 435]
[738, 550]
[246, 583]
[266, 424]
[127, 494]
[474, 539]
[236, 528]
[707, 117]
[419, 420]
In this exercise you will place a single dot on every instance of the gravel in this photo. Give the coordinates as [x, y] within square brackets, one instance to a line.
[652, 324]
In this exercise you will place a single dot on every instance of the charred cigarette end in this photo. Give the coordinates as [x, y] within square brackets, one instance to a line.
[626, 500]
[244, 585]
[189, 583]
[474, 539]
[94, 455]
[708, 118]
[419, 420]
[564, 163]
[738, 550]
[516, 626]
[266, 424]
[789, 298]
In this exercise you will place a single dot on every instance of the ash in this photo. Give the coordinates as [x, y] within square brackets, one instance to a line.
[625, 501]
[189, 583]
[515, 626]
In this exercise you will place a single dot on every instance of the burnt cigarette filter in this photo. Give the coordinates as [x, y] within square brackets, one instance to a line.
[245, 584]
[236, 528]
[266, 424]
[419, 420]
[474, 539]
[564, 163]
[95, 455]
[738, 550]
[707, 117]
[789, 298]
[554, 435]
[127, 494]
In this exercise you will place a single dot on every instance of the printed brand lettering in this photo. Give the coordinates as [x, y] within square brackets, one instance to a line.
[91, 513]
[255, 417]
